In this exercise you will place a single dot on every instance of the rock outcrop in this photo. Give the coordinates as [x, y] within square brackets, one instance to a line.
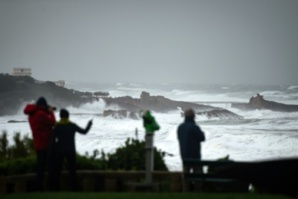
[16, 91]
[153, 103]
[133, 107]
[15, 121]
[258, 102]
[220, 114]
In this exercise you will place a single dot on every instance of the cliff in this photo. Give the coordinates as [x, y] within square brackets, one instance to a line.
[15, 92]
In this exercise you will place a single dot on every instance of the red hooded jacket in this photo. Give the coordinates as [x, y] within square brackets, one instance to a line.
[41, 122]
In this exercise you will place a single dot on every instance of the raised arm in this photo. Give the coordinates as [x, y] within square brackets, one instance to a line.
[84, 131]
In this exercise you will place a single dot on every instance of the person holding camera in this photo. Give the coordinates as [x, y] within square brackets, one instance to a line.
[63, 141]
[41, 120]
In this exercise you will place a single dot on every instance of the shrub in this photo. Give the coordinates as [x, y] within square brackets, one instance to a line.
[132, 156]
[21, 165]
[22, 147]
[19, 158]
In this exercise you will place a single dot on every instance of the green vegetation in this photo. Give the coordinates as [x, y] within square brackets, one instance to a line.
[141, 196]
[19, 157]
[22, 147]
[132, 157]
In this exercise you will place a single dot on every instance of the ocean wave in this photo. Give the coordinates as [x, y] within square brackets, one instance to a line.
[293, 88]
[89, 108]
[269, 93]
[261, 134]
[119, 84]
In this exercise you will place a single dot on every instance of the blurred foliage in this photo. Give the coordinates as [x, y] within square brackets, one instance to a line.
[22, 147]
[19, 157]
[21, 165]
[132, 156]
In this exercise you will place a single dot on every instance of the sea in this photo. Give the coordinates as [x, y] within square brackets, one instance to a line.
[260, 135]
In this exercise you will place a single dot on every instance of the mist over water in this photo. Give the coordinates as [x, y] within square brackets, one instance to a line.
[262, 134]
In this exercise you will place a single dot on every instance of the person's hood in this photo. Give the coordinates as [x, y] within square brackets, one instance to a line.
[31, 109]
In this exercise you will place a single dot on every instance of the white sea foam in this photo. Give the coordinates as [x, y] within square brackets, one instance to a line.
[89, 108]
[262, 134]
[293, 87]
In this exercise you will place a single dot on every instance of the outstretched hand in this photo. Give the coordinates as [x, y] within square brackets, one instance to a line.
[90, 122]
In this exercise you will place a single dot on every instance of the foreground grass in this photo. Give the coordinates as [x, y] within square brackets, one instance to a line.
[92, 195]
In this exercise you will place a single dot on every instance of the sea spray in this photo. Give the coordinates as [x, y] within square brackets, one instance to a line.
[262, 134]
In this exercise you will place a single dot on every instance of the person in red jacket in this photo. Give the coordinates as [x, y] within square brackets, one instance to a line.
[41, 119]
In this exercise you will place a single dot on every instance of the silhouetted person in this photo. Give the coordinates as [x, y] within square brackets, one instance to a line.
[64, 143]
[190, 137]
[41, 119]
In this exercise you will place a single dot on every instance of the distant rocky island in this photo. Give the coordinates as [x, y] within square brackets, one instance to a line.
[133, 107]
[154, 103]
[258, 102]
[15, 91]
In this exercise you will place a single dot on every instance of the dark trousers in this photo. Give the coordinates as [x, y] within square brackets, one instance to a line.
[70, 157]
[41, 165]
[191, 186]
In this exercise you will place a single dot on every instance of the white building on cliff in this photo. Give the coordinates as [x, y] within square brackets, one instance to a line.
[27, 72]
[21, 72]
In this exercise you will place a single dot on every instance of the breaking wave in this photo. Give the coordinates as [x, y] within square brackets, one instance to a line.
[259, 135]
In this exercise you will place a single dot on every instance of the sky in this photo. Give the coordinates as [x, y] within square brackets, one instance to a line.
[161, 41]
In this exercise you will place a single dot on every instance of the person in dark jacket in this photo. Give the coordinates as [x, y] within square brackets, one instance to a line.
[190, 137]
[63, 141]
[41, 119]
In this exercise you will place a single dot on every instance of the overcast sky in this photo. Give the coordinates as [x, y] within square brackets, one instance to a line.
[188, 41]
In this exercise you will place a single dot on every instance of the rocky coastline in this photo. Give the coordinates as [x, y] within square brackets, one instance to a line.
[16, 91]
